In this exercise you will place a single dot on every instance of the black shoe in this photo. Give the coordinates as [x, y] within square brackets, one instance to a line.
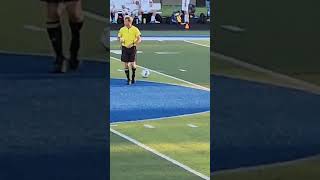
[128, 82]
[133, 81]
[60, 65]
[74, 64]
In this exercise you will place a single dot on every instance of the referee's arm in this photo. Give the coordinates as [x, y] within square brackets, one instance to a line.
[138, 41]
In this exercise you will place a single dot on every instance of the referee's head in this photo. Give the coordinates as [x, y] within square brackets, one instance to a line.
[128, 21]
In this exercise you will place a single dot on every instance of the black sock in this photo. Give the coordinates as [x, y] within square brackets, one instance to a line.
[55, 35]
[75, 41]
[127, 73]
[133, 73]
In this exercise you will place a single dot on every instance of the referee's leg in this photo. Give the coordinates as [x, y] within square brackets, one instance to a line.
[55, 32]
[127, 72]
[75, 13]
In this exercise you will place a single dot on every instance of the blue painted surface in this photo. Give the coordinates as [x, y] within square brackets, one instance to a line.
[52, 126]
[256, 124]
[146, 100]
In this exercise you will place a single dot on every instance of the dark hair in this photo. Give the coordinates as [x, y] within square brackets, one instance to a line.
[127, 18]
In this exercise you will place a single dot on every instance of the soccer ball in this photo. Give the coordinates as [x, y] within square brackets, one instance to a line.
[145, 73]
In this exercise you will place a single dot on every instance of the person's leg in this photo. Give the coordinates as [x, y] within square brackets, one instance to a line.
[116, 16]
[125, 60]
[75, 13]
[133, 68]
[140, 15]
[126, 71]
[133, 60]
[55, 33]
[153, 17]
[186, 17]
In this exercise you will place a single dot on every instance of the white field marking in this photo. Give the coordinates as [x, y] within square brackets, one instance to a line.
[119, 52]
[148, 126]
[302, 85]
[95, 16]
[233, 28]
[157, 119]
[166, 53]
[199, 44]
[166, 38]
[113, 125]
[147, 148]
[182, 70]
[192, 125]
[34, 28]
[259, 167]
[187, 82]
[120, 70]
[49, 55]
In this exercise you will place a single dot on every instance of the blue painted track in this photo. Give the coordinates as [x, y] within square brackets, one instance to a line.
[52, 126]
[147, 100]
[255, 124]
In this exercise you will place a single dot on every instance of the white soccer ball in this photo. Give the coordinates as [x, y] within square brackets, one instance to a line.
[145, 73]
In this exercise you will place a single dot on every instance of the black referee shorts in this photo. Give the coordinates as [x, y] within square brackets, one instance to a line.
[129, 54]
[57, 1]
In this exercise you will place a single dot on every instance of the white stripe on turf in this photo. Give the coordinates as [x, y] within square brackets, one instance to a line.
[157, 119]
[187, 168]
[34, 28]
[199, 44]
[172, 77]
[148, 126]
[192, 125]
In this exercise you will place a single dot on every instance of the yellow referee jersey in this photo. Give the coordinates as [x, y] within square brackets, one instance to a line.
[129, 35]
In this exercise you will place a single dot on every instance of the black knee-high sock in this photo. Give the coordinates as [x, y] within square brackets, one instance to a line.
[75, 41]
[55, 35]
[133, 73]
[127, 73]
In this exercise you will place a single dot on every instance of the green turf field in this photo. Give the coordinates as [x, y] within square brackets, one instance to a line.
[171, 136]
[278, 38]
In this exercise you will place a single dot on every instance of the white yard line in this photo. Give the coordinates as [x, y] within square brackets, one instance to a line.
[199, 44]
[147, 148]
[157, 119]
[168, 38]
[34, 28]
[49, 55]
[260, 167]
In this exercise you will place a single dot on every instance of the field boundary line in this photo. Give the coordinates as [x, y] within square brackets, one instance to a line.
[156, 119]
[172, 77]
[187, 168]
[278, 164]
[199, 44]
[88, 59]
[299, 84]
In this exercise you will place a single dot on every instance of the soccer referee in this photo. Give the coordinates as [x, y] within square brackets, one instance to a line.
[129, 37]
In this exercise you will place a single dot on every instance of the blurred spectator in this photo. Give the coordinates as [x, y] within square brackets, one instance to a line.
[145, 7]
[113, 13]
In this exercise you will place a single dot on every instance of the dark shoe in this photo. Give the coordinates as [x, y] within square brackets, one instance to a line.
[133, 81]
[60, 65]
[74, 64]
